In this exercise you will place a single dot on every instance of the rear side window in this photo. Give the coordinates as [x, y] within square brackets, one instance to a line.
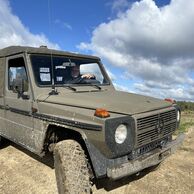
[16, 70]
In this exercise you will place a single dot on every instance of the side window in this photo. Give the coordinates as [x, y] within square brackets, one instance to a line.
[16, 71]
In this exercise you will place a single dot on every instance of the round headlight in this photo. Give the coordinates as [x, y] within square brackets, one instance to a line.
[178, 116]
[121, 134]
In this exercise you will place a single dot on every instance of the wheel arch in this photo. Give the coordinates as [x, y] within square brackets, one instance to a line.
[55, 134]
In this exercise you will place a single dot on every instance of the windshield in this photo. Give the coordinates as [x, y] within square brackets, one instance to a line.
[66, 71]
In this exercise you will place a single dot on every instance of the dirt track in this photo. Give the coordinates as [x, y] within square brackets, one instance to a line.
[20, 173]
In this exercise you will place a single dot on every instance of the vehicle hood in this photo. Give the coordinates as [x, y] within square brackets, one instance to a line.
[113, 101]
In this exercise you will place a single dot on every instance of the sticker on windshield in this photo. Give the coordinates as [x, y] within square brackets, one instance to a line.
[59, 79]
[44, 70]
[45, 77]
[60, 67]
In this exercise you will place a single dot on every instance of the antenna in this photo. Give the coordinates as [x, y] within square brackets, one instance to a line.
[54, 91]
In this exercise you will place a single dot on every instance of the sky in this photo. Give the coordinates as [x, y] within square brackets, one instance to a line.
[147, 46]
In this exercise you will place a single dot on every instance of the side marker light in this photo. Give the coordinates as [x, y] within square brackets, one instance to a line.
[102, 113]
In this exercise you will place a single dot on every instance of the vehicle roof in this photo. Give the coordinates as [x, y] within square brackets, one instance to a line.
[12, 50]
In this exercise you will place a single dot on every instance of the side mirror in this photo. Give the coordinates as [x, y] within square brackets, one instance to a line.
[20, 86]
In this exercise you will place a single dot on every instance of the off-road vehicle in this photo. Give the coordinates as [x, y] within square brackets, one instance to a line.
[93, 130]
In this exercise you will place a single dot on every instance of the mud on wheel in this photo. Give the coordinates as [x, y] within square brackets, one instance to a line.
[71, 169]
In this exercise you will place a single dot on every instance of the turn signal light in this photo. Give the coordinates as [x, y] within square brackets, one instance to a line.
[170, 100]
[103, 113]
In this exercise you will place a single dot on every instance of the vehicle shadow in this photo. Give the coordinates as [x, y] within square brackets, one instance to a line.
[4, 143]
[109, 185]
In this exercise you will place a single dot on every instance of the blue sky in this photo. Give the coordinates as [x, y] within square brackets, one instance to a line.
[66, 22]
[147, 46]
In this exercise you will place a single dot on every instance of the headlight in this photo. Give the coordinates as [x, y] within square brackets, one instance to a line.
[178, 116]
[121, 134]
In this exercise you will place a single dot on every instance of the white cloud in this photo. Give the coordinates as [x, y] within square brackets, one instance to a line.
[153, 44]
[180, 92]
[63, 24]
[13, 32]
[119, 5]
[111, 75]
[121, 88]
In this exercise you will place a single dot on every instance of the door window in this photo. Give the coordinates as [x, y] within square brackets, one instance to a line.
[17, 70]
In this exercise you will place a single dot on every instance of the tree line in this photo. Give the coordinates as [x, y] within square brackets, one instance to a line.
[186, 105]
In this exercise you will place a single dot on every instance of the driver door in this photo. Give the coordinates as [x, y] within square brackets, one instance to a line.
[19, 122]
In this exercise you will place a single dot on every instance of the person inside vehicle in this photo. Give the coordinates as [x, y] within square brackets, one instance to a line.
[76, 77]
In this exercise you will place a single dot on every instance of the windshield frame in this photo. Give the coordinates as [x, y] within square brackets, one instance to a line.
[98, 62]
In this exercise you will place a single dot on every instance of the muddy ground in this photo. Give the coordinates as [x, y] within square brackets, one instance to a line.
[23, 173]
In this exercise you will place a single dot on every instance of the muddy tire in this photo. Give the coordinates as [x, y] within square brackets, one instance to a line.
[71, 169]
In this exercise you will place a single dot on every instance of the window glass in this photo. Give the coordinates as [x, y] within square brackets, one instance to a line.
[92, 68]
[63, 70]
[17, 70]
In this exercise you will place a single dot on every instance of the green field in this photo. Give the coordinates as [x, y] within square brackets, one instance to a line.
[187, 121]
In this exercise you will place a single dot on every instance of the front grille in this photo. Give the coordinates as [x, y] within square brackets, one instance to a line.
[154, 127]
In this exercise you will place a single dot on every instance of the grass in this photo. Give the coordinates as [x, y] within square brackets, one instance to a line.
[187, 121]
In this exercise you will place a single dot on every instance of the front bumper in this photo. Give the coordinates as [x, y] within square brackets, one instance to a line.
[147, 160]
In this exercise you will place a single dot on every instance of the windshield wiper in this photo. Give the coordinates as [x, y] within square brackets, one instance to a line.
[74, 89]
[70, 87]
[96, 86]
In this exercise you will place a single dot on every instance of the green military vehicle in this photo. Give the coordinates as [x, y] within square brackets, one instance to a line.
[65, 103]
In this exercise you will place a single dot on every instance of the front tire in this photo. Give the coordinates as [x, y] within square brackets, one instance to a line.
[71, 169]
